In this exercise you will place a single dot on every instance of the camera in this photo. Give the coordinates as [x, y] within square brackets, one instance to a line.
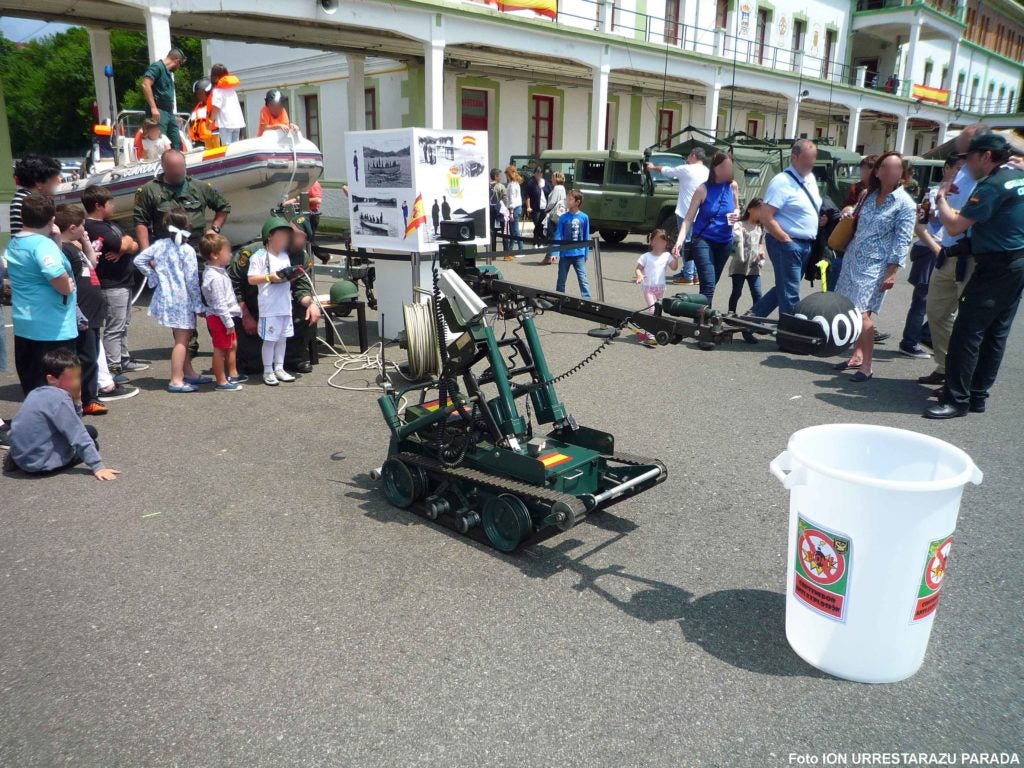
[461, 230]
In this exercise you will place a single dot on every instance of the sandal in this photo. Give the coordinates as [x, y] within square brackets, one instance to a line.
[845, 366]
[180, 389]
[860, 376]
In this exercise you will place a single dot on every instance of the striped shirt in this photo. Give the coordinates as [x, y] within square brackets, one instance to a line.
[19, 196]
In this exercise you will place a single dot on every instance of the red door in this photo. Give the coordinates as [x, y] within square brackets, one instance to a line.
[474, 109]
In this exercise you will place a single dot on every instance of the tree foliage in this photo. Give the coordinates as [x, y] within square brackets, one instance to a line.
[49, 90]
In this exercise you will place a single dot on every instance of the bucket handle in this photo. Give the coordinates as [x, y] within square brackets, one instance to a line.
[976, 474]
[782, 468]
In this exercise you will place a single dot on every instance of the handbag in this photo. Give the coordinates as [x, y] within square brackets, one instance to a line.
[841, 236]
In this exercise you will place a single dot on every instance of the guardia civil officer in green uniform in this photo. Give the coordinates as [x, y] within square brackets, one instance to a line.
[994, 214]
[171, 188]
[158, 89]
[305, 310]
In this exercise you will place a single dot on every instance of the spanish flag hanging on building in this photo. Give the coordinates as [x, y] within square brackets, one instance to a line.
[419, 216]
[547, 8]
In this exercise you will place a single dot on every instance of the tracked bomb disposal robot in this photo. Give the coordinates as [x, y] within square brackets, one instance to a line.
[467, 448]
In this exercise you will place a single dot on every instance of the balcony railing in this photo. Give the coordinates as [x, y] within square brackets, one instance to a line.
[951, 8]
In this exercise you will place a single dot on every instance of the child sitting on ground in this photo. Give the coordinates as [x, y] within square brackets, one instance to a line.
[747, 255]
[269, 269]
[154, 143]
[171, 270]
[221, 310]
[650, 274]
[48, 435]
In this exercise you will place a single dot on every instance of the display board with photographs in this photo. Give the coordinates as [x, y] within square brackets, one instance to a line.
[403, 183]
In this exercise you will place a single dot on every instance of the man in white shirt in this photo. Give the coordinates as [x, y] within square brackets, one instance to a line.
[789, 217]
[690, 176]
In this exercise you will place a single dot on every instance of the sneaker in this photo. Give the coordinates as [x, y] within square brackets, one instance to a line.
[118, 392]
[94, 409]
[133, 366]
[283, 375]
[5, 439]
[881, 337]
[120, 378]
[228, 386]
[915, 351]
[270, 380]
[239, 379]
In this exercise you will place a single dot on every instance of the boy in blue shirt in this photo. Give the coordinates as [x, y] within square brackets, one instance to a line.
[43, 305]
[48, 435]
[573, 226]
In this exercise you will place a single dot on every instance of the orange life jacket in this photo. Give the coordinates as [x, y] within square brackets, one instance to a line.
[199, 125]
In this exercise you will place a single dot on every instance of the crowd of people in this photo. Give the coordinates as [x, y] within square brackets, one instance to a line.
[965, 242]
[72, 272]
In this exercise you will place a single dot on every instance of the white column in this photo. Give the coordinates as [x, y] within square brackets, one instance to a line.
[908, 69]
[853, 129]
[433, 56]
[606, 13]
[158, 35]
[901, 132]
[792, 118]
[599, 101]
[947, 82]
[943, 127]
[712, 96]
[356, 92]
[99, 47]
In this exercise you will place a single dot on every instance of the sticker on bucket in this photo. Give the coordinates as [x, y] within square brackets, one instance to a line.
[822, 578]
[935, 566]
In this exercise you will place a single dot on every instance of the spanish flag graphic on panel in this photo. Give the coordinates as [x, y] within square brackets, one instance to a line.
[419, 216]
[547, 8]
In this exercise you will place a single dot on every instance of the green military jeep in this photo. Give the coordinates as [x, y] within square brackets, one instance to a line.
[618, 195]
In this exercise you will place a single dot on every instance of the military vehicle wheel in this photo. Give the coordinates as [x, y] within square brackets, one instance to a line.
[613, 236]
[669, 225]
[507, 522]
[403, 485]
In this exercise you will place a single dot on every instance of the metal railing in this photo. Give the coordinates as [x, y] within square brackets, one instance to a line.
[951, 8]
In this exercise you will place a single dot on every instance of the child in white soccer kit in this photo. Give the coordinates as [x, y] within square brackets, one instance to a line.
[275, 298]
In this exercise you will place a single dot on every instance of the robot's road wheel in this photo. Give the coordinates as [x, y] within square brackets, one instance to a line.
[506, 521]
[403, 485]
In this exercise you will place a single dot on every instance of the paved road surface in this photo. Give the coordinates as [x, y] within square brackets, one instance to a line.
[244, 596]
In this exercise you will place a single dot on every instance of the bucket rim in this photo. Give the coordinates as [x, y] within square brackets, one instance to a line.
[970, 473]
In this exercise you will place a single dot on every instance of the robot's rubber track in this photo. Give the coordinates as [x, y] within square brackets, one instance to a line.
[530, 494]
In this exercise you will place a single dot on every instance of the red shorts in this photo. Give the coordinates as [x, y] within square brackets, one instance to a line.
[222, 337]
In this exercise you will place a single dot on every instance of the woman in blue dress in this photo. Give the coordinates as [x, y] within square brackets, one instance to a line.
[172, 271]
[713, 212]
[879, 248]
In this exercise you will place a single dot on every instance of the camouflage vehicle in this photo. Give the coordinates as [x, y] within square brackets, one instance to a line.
[927, 172]
[619, 196]
[755, 162]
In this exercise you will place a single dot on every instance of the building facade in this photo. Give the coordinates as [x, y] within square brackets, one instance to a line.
[870, 74]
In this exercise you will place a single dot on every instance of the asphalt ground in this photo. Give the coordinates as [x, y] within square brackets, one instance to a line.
[244, 595]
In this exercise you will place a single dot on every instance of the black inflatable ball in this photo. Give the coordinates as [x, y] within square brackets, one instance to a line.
[830, 317]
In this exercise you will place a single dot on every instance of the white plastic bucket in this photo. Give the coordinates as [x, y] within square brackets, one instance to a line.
[871, 522]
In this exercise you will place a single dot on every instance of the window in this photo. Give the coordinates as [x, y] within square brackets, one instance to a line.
[974, 94]
[311, 106]
[622, 174]
[989, 98]
[666, 126]
[722, 14]
[474, 109]
[542, 122]
[971, 31]
[761, 33]
[1002, 99]
[799, 28]
[672, 22]
[830, 51]
[944, 81]
[960, 80]
[592, 172]
[752, 128]
[927, 81]
[370, 97]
